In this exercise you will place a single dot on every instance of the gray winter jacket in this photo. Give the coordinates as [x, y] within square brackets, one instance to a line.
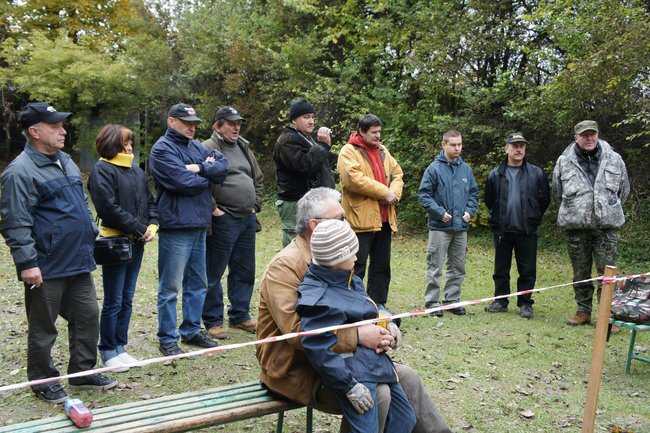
[583, 206]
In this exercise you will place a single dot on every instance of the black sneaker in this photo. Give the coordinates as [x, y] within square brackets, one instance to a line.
[437, 313]
[201, 340]
[170, 349]
[526, 311]
[53, 393]
[458, 311]
[496, 307]
[97, 381]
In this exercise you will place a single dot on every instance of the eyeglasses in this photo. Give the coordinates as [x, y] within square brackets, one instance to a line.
[337, 217]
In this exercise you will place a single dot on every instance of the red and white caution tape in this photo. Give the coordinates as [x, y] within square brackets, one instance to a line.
[300, 334]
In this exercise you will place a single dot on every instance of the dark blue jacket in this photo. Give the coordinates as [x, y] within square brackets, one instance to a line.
[329, 297]
[448, 187]
[44, 214]
[183, 198]
[534, 196]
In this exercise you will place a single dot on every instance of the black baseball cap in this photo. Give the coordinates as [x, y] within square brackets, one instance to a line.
[516, 137]
[184, 112]
[40, 112]
[228, 113]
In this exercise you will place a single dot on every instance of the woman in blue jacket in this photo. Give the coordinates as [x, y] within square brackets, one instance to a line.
[120, 192]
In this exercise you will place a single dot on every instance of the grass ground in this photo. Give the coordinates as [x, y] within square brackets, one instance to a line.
[482, 370]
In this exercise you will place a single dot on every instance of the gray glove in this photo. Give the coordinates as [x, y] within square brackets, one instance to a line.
[360, 398]
[396, 334]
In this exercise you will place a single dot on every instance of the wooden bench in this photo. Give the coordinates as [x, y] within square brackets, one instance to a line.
[634, 327]
[176, 413]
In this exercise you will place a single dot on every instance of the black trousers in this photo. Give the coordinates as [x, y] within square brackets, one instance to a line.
[525, 249]
[75, 299]
[375, 245]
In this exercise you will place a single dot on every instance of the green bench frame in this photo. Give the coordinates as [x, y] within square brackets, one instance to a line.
[176, 413]
[634, 327]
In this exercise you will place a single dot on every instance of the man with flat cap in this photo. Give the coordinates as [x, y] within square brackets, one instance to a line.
[182, 170]
[232, 240]
[301, 163]
[517, 195]
[45, 220]
[590, 184]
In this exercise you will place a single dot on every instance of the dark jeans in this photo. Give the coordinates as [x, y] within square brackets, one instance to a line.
[376, 245]
[75, 299]
[232, 244]
[119, 288]
[525, 248]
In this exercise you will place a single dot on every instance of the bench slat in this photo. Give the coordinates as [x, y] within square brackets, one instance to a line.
[173, 413]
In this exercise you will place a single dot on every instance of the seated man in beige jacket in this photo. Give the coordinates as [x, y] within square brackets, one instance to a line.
[284, 367]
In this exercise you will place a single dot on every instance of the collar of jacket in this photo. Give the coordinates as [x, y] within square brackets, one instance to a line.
[333, 277]
[443, 159]
[307, 138]
[504, 164]
[177, 137]
[220, 141]
[41, 159]
[121, 160]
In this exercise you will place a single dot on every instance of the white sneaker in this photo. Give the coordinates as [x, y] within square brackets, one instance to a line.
[115, 361]
[127, 359]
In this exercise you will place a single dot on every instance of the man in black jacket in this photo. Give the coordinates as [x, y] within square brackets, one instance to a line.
[517, 195]
[300, 163]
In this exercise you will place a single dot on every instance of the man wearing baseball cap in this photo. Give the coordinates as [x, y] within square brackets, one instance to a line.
[300, 163]
[590, 184]
[182, 170]
[234, 223]
[517, 195]
[46, 222]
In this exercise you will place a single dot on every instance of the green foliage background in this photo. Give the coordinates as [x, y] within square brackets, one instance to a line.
[485, 67]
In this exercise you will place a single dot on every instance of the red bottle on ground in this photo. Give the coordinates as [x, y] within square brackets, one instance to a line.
[77, 411]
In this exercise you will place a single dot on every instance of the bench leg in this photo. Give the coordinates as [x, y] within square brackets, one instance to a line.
[310, 419]
[630, 351]
[278, 428]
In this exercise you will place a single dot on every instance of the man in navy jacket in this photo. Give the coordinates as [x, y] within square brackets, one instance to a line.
[517, 195]
[182, 169]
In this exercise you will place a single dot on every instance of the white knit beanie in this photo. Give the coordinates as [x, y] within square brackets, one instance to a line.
[333, 242]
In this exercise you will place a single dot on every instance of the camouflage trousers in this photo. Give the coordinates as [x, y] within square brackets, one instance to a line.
[586, 247]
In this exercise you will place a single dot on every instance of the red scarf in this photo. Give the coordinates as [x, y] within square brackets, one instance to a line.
[376, 164]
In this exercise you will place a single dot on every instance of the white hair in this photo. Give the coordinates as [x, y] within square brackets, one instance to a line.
[310, 206]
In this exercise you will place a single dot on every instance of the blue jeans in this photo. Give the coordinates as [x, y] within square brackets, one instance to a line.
[400, 419]
[181, 263]
[119, 288]
[232, 244]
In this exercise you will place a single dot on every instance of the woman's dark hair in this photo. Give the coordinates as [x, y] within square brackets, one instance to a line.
[367, 121]
[111, 140]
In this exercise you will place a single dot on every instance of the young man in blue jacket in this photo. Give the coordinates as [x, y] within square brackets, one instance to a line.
[449, 194]
[182, 169]
[517, 195]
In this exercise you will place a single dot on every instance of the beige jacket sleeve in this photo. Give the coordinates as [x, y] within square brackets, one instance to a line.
[356, 174]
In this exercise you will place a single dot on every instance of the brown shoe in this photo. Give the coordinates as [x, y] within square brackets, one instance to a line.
[615, 330]
[217, 332]
[248, 325]
[581, 318]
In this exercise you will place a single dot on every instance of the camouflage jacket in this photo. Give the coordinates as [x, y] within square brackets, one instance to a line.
[583, 206]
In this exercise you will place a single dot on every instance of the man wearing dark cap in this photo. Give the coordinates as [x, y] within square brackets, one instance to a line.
[182, 169]
[232, 241]
[590, 184]
[300, 163]
[517, 195]
[45, 220]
